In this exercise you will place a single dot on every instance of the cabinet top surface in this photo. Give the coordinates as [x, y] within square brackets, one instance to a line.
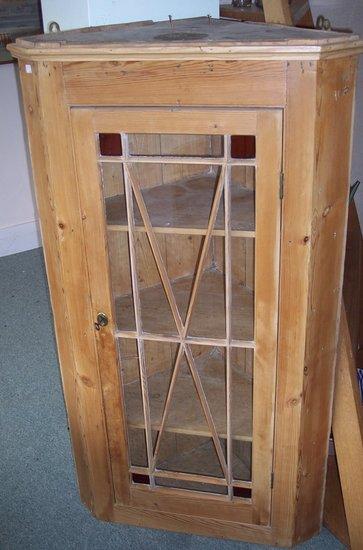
[187, 38]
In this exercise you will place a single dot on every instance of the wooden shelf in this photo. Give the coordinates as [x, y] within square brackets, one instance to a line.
[208, 319]
[186, 416]
[184, 207]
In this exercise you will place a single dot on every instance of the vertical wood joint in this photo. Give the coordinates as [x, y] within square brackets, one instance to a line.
[282, 184]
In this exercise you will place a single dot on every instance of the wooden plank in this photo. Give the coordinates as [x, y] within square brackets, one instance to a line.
[177, 500]
[277, 11]
[335, 93]
[334, 513]
[183, 231]
[267, 260]
[208, 160]
[56, 131]
[348, 435]
[54, 269]
[234, 83]
[174, 521]
[196, 38]
[296, 215]
[188, 120]
[91, 206]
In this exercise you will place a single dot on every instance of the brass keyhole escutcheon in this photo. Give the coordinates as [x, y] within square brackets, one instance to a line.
[102, 321]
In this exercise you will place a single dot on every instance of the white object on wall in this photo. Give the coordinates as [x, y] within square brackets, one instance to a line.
[84, 13]
[18, 224]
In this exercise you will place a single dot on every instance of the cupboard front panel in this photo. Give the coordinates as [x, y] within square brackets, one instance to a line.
[181, 215]
[212, 82]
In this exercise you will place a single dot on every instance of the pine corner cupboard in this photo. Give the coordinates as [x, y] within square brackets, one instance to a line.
[192, 183]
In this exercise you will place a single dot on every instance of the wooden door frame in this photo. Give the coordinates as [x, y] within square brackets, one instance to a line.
[267, 126]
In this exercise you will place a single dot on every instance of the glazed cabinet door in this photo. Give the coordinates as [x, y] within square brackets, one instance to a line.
[181, 217]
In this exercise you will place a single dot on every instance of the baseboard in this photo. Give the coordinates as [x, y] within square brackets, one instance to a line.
[20, 237]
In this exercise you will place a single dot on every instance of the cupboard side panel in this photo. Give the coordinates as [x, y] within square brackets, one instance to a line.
[51, 249]
[335, 94]
[56, 129]
[299, 127]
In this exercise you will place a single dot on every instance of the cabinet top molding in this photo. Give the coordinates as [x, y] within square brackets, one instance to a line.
[195, 38]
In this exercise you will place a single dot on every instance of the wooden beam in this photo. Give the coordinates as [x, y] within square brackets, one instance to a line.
[348, 435]
[277, 11]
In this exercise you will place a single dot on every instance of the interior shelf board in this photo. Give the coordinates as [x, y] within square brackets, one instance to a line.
[185, 206]
[208, 319]
[185, 416]
[201, 478]
[153, 159]
[184, 231]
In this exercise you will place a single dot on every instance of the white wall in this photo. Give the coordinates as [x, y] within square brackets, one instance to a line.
[83, 13]
[18, 226]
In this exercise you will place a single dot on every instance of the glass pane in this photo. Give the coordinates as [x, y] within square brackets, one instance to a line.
[186, 443]
[242, 492]
[180, 196]
[243, 198]
[175, 145]
[191, 485]
[242, 408]
[129, 361]
[243, 263]
[209, 314]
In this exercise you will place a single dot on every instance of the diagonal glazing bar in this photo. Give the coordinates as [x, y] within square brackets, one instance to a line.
[167, 404]
[205, 247]
[156, 252]
[204, 252]
[206, 409]
[175, 311]
[137, 309]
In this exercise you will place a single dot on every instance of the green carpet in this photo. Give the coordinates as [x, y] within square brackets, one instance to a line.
[39, 503]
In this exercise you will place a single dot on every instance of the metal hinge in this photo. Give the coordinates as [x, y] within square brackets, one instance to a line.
[282, 181]
[272, 480]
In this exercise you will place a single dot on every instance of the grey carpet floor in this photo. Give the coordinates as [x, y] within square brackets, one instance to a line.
[39, 504]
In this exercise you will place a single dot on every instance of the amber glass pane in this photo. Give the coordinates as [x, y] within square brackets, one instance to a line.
[110, 145]
[243, 147]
